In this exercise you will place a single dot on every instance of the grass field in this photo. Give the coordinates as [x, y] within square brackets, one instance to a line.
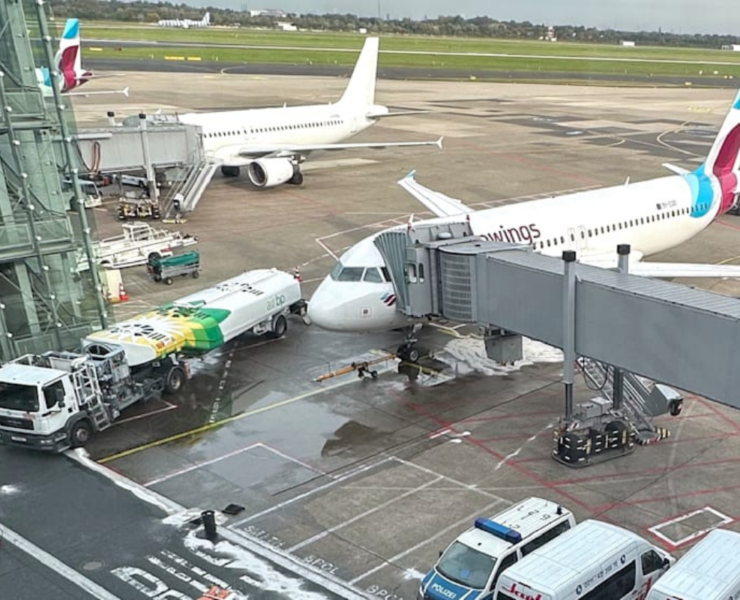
[531, 56]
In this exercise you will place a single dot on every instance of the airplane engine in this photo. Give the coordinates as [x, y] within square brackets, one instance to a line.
[269, 172]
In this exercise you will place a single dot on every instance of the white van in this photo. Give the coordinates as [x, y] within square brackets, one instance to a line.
[471, 565]
[91, 193]
[709, 571]
[592, 561]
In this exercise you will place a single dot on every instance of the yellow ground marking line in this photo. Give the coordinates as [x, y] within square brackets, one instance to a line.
[209, 426]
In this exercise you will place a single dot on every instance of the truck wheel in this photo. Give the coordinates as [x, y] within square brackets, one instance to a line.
[279, 328]
[175, 380]
[196, 274]
[80, 434]
[168, 280]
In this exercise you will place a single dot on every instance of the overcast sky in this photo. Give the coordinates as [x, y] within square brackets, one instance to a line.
[680, 16]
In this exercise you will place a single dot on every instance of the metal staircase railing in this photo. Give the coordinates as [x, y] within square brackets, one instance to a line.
[637, 397]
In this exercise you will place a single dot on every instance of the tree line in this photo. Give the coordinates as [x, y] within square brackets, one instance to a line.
[477, 27]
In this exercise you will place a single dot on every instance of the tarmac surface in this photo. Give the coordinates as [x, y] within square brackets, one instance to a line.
[364, 481]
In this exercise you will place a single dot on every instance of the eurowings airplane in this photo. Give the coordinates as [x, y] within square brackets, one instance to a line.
[651, 216]
[68, 61]
[272, 142]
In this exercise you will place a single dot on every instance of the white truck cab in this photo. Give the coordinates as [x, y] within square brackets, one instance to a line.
[709, 571]
[471, 565]
[592, 561]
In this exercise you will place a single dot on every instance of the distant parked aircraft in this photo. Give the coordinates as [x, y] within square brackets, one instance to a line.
[271, 143]
[186, 23]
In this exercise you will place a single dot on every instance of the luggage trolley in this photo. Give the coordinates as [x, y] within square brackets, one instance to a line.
[166, 269]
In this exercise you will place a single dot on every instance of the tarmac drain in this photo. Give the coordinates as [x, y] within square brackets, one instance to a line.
[93, 565]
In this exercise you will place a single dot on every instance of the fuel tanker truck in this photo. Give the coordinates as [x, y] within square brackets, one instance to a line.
[59, 400]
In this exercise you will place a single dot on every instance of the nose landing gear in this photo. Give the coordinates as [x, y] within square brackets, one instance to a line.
[408, 350]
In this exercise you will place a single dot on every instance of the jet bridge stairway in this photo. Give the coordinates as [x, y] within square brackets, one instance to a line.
[185, 197]
[611, 424]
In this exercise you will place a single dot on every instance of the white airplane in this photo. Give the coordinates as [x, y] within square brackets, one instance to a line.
[186, 23]
[68, 62]
[651, 216]
[272, 142]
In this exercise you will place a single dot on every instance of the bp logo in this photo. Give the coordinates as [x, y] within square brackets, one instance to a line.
[579, 589]
[623, 559]
[276, 302]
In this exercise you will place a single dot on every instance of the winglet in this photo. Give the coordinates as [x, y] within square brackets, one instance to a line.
[439, 142]
[675, 169]
[125, 91]
[410, 174]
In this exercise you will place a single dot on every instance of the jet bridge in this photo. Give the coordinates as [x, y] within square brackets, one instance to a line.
[623, 327]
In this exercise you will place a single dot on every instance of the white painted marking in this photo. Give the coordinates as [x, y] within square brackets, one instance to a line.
[282, 559]
[471, 488]
[164, 504]
[392, 561]
[723, 520]
[309, 493]
[292, 459]
[362, 515]
[198, 465]
[51, 562]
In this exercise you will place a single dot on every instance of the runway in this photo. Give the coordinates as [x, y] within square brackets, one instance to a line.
[401, 73]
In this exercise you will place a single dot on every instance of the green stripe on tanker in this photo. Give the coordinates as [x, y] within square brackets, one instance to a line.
[205, 320]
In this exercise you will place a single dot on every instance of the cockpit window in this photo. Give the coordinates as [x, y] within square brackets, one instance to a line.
[386, 274]
[334, 274]
[372, 275]
[350, 274]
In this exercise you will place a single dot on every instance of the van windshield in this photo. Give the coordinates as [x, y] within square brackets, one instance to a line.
[19, 397]
[466, 566]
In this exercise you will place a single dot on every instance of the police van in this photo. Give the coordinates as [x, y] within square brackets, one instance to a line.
[709, 571]
[592, 561]
[470, 566]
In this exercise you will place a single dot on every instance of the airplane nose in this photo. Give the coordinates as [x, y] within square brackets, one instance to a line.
[323, 308]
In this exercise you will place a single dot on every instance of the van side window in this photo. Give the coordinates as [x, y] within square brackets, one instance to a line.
[618, 585]
[545, 537]
[651, 561]
[505, 563]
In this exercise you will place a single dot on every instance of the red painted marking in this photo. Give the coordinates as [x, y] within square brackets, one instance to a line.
[471, 440]
[653, 471]
[712, 406]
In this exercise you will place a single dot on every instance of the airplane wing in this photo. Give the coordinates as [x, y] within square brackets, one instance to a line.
[298, 149]
[655, 269]
[666, 270]
[438, 203]
[124, 91]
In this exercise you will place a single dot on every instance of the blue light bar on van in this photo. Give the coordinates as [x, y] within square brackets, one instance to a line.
[508, 535]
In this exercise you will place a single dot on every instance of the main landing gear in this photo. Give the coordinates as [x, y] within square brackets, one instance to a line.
[230, 171]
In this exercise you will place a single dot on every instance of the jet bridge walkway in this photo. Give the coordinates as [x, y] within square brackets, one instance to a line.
[628, 331]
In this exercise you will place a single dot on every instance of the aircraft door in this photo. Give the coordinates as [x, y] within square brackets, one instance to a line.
[582, 238]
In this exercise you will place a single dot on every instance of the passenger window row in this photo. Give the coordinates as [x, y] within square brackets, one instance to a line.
[604, 229]
[312, 125]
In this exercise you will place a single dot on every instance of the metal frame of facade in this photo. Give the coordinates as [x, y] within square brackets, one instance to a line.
[43, 304]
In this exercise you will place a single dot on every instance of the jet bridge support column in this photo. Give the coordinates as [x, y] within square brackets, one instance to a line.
[623, 251]
[569, 330]
[150, 176]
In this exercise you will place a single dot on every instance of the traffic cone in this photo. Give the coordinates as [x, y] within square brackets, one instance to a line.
[122, 293]
[297, 274]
